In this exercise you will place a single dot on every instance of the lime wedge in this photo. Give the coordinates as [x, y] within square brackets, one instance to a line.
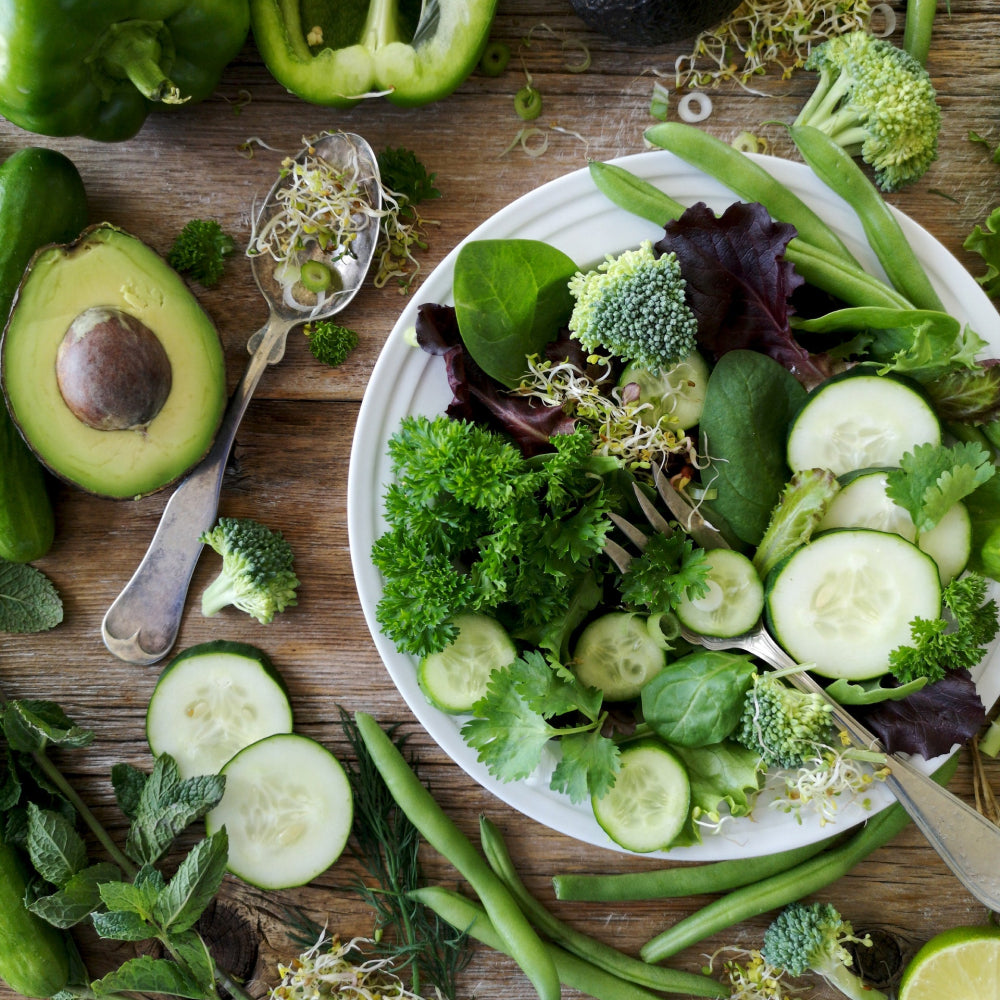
[958, 964]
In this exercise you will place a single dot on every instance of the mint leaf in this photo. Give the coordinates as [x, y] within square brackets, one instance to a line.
[29, 601]
[56, 850]
[123, 925]
[30, 726]
[194, 884]
[932, 478]
[78, 898]
[152, 975]
[166, 806]
[128, 783]
[588, 766]
[191, 952]
[130, 897]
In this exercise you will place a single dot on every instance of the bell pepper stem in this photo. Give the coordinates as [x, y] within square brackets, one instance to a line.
[135, 49]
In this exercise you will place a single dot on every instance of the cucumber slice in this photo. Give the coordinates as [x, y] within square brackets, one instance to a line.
[287, 809]
[734, 601]
[649, 803]
[676, 396]
[456, 678]
[213, 700]
[844, 601]
[618, 653]
[863, 503]
[860, 422]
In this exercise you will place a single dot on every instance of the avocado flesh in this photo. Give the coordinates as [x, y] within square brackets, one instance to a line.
[108, 267]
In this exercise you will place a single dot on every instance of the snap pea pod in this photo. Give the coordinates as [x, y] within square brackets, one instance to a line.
[841, 173]
[682, 880]
[787, 886]
[825, 271]
[624, 966]
[918, 28]
[524, 944]
[577, 973]
[749, 180]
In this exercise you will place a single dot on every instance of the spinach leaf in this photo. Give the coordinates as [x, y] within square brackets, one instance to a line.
[697, 700]
[749, 404]
[511, 297]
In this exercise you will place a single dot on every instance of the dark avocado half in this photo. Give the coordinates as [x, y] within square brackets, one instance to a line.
[112, 371]
[651, 22]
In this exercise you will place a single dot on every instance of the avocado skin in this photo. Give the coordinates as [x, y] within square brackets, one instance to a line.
[651, 22]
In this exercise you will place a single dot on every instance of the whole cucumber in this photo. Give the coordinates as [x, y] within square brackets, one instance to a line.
[42, 200]
[34, 958]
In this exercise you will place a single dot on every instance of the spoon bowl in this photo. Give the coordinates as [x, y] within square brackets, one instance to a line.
[142, 624]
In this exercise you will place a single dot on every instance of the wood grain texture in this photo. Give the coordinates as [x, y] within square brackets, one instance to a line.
[290, 462]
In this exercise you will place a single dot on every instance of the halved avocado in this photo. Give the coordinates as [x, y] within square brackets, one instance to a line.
[112, 371]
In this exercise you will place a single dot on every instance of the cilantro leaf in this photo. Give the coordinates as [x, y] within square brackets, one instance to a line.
[511, 728]
[29, 601]
[507, 732]
[588, 766]
[932, 478]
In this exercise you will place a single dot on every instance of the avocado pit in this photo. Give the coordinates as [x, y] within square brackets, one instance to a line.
[112, 371]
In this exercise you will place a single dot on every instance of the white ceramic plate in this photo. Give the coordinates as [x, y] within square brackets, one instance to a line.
[571, 214]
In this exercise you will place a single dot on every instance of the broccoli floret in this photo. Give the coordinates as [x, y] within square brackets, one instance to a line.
[633, 306]
[330, 342]
[256, 576]
[200, 250]
[812, 936]
[782, 724]
[877, 101]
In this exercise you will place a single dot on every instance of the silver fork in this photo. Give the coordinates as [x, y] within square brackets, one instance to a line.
[965, 839]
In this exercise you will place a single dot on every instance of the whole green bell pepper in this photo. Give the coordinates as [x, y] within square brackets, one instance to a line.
[97, 67]
[335, 54]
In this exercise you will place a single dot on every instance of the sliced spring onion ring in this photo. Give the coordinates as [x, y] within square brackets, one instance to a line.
[694, 107]
[882, 12]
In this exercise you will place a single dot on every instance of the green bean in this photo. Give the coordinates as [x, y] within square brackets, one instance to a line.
[578, 974]
[824, 270]
[918, 28]
[602, 955]
[842, 174]
[682, 880]
[787, 886]
[526, 948]
[749, 180]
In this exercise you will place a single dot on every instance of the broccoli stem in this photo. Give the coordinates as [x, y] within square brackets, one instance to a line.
[849, 983]
[918, 28]
[220, 593]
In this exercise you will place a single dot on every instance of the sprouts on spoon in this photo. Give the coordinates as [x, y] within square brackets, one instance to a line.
[320, 209]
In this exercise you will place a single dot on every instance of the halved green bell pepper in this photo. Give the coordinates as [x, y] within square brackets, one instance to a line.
[97, 67]
[335, 54]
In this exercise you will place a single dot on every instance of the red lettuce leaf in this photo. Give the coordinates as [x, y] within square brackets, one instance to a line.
[739, 284]
[930, 721]
[477, 397]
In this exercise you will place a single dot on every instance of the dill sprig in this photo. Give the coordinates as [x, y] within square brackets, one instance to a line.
[387, 844]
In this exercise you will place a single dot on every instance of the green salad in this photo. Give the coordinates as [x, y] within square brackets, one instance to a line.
[813, 451]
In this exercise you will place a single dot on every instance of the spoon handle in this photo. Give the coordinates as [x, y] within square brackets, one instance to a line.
[966, 840]
[142, 624]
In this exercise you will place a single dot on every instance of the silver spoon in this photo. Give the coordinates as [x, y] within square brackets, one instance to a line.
[142, 624]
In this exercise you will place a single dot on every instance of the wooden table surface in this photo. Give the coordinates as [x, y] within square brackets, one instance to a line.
[290, 461]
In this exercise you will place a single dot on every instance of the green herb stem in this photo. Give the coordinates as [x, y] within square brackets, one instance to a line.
[93, 824]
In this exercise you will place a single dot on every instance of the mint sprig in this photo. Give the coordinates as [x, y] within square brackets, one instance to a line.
[29, 601]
